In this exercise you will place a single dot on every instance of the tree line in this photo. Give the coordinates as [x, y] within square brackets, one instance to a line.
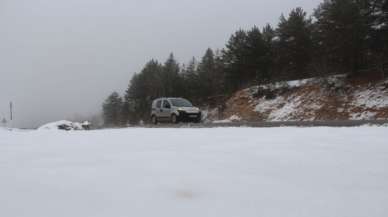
[341, 36]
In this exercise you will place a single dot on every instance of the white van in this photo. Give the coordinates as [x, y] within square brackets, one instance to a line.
[174, 110]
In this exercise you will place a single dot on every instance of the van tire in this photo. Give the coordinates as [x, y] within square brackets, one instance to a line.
[174, 119]
[154, 119]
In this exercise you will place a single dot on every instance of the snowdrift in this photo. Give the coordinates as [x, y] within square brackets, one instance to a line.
[65, 125]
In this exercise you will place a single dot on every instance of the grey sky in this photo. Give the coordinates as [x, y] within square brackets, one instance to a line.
[61, 58]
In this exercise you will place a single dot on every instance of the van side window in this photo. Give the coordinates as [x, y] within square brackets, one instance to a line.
[159, 104]
[166, 104]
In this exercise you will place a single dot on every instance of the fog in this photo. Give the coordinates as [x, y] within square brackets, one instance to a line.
[59, 59]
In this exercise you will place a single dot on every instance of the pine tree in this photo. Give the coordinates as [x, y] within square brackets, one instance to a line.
[143, 88]
[342, 34]
[246, 59]
[206, 72]
[269, 37]
[219, 74]
[191, 80]
[268, 34]
[258, 54]
[112, 109]
[125, 112]
[171, 79]
[234, 58]
[294, 44]
[376, 13]
[152, 81]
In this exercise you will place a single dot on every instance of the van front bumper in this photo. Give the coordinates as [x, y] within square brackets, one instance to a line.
[189, 117]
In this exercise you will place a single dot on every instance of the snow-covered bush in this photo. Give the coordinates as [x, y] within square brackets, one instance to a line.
[65, 125]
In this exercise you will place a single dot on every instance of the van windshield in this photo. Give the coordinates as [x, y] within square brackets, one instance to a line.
[181, 103]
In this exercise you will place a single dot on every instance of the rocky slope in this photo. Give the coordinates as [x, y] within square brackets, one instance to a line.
[330, 98]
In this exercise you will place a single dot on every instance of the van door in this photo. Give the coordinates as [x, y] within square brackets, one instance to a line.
[166, 109]
[158, 108]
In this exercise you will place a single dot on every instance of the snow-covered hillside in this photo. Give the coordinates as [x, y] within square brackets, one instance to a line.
[331, 98]
[294, 172]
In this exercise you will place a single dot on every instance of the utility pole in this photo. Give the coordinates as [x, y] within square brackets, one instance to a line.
[10, 111]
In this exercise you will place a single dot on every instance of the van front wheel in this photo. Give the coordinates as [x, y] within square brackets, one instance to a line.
[174, 119]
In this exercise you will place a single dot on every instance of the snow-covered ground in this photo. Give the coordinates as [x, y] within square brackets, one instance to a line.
[301, 172]
[231, 119]
[371, 97]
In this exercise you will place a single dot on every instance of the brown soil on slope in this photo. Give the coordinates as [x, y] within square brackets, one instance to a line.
[316, 102]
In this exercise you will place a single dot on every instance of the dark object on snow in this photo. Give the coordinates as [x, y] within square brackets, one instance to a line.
[86, 125]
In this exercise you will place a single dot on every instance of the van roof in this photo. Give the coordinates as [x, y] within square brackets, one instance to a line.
[168, 98]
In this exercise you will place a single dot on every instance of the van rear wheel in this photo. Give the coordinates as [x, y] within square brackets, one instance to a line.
[154, 119]
[174, 119]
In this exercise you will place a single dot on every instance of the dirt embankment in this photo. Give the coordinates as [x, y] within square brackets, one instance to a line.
[332, 98]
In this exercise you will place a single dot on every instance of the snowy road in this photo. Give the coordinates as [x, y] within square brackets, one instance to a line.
[301, 172]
